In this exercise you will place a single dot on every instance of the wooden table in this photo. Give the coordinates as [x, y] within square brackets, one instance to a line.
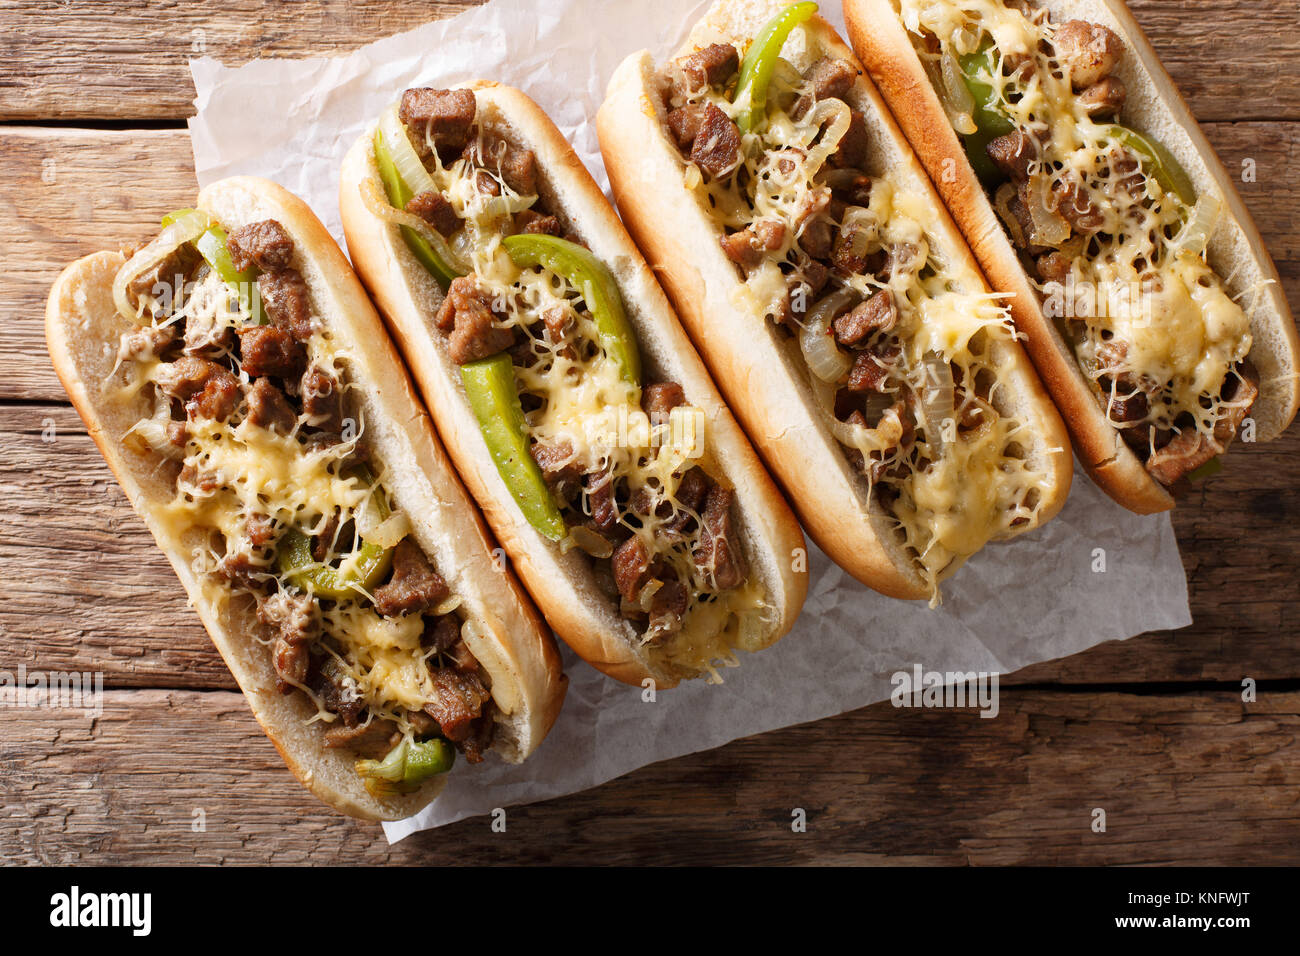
[93, 147]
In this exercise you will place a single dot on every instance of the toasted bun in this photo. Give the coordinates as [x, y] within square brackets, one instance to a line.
[564, 585]
[766, 382]
[1154, 105]
[520, 659]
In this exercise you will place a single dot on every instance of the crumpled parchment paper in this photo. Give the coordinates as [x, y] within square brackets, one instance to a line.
[1030, 600]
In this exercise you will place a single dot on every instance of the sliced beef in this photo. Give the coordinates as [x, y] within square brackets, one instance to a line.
[173, 271]
[322, 399]
[713, 65]
[271, 350]
[631, 563]
[218, 400]
[1054, 266]
[1088, 50]
[291, 663]
[269, 409]
[330, 684]
[817, 238]
[206, 335]
[1012, 154]
[186, 377]
[684, 124]
[434, 209]
[717, 146]
[286, 301]
[852, 150]
[557, 462]
[877, 314]
[260, 530]
[295, 618]
[749, 246]
[415, 586]
[719, 555]
[265, 244]
[668, 608]
[466, 313]
[441, 633]
[604, 507]
[871, 370]
[446, 116]
[831, 78]
[516, 167]
[322, 542]
[1190, 449]
[535, 223]
[479, 739]
[659, 399]
[147, 342]
[459, 700]
[373, 740]
[558, 321]
[1105, 98]
[1076, 207]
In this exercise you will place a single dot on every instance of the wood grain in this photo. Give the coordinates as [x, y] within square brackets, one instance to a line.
[85, 59]
[1182, 778]
[81, 59]
[107, 188]
[1153, 729]
[89, 590]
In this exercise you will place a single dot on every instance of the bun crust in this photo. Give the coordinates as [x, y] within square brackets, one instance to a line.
[408, 298]
[765, 381]
[514, 649]
[1154, 105]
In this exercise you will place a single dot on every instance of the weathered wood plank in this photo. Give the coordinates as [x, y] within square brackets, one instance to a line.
[107, 188]
[79, 59]
[88, 590]
[65, 194]
[82, 59]
[1203, 779]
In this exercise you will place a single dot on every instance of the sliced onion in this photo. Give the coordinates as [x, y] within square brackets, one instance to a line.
[151, 432]
[1050, 228]
[386, 533]
[938, 398]
[1196, 234]
[837, 112]
[185, 229]
[646, 597]
[957, 97]
[824, 358]
[375, 201]
[449, 604]
[398, 142]
[594, 544]
[1002, 203]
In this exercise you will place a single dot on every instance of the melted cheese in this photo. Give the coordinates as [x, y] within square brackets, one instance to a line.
[248, 470]
[586, 403]
[972, 487]
[1183, 334]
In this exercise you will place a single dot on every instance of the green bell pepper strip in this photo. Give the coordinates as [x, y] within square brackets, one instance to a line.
[1159, 162]
[399, 194]
[295, 560]
[760, 63]
[490, 387]
[590, 277]
[212, 247]
[989, 118]
[407, 766]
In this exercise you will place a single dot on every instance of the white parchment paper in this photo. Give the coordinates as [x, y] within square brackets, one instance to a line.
[1030, 600]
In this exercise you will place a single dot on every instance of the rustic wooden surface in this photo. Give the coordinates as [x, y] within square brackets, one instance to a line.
[1152, 730]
